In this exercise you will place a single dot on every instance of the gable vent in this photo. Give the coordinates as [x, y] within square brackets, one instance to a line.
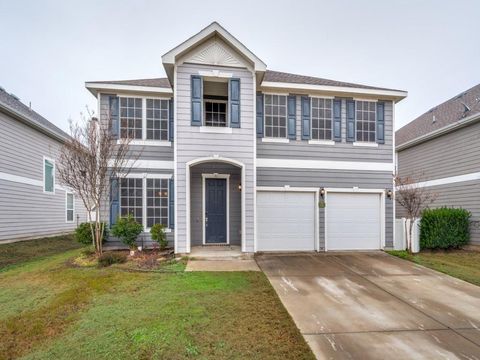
[434, 119]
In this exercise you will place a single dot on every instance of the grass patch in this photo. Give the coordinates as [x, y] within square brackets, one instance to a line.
[65, 312]
[23, 251]
[462, 264]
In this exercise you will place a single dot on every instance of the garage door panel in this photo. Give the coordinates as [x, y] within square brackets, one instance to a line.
[285, 221]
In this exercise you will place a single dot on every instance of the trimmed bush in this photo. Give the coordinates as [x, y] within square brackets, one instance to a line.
[83, 233]
[110, 258]
[444, 228]
[158, 235]
[127, 229]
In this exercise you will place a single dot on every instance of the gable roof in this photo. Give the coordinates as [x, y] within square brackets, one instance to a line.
[12, 106]
[441, 118]
[157, 82]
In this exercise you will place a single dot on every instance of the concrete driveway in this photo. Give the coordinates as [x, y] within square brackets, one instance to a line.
[376, 306]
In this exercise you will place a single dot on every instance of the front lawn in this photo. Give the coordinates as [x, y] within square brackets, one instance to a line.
[50, 309]
[461, 264]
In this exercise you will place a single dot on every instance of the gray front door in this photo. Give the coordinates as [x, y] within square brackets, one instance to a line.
[215, 211]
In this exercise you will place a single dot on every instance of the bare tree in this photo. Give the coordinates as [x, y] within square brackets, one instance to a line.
[413, 197]
[86, 163]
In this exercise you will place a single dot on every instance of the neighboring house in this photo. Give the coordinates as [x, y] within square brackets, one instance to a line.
[237, 154]
[441, 149]
[32, 202]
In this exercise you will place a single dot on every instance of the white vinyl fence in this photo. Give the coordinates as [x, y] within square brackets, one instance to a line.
[401, 234]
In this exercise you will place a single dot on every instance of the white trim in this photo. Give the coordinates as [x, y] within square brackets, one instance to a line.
[145, 142]
[275, 140]
[204, 230]
[380, 192]
[215, 74]
[20, 179]
[175, 170]
[216, 129]
[66, 207]
[316, 191]
[365, 99]
[445, 181]
[145, 175]
[122, 87]
[45, 158]
[365, 144]
[396, 94]
[395, 171]
[324, 164]
[147, 164]
[321, 142]
[254, 114]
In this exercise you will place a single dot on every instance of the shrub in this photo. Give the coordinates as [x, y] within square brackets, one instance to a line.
[444, 228]
[110, 258]
[158, 235]
[83, 233]
[127, 229]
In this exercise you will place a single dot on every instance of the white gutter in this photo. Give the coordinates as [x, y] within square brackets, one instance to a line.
[147, 89]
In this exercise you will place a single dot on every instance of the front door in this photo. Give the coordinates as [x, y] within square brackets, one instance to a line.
[215, 211]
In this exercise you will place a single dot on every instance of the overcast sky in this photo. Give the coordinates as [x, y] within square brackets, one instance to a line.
[431, 48]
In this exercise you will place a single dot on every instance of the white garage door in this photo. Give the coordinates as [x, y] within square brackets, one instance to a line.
[353, 221]
[285, 221]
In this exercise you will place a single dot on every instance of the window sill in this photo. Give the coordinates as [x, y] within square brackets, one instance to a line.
[216, 129]
[147, 142]
[321, 142]
[276, 140]
[365, 144]
[147, 230]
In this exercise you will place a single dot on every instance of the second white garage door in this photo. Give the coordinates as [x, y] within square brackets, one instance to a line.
[353, 221]
[285, 221]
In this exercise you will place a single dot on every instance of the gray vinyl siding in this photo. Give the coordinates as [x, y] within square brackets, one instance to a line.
[192, 144]
[196, 201]
[25, 210]
[452, 154]
[332, 179]
[341, 151]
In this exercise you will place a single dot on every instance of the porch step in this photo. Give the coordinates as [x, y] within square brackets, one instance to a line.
[224, 252]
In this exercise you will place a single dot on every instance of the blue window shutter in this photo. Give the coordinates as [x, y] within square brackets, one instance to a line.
[197, 98]
[114, 112]
[259, 106]
[337, 120]
[305, 118]
[170, 120]
[171, 204]
[234, 100]
[381, 123]
[114, 201]
[292, 117]
[350, 120]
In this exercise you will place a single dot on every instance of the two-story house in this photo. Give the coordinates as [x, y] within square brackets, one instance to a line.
[233, 153]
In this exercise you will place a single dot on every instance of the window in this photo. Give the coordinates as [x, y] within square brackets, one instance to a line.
[157, 202]
[365, 120]
[322, 119]
[215, 113]
[70, 207]
[48, 175]
[131, 118]
[275, 116]
[157, 119]
[131, 198]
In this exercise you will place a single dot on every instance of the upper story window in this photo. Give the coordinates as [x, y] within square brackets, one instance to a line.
[275, 116]
[215, 101]
[157, 119]
[322, 119]
[365, 118]
[48, 175]
[70, 207]
[130, 118]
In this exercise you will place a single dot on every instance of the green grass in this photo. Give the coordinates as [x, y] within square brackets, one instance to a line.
[23, 251]
[51, 310]
[461, 264]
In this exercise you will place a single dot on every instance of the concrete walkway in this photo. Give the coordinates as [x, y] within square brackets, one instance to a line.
[375, 306]
[222, 265]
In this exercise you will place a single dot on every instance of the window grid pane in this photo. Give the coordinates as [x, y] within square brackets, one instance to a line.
[366, 116]
[322, 119]
[215, 114]
[157, 202]
[131, 118]
[275, 116]
[49, 180]
[131, 198]
[157, 119]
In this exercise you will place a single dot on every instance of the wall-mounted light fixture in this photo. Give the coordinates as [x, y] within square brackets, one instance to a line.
[322, 192]
[389, 193]
[239, 187]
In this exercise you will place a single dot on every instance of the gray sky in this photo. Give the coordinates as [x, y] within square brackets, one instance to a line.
[48, 49]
